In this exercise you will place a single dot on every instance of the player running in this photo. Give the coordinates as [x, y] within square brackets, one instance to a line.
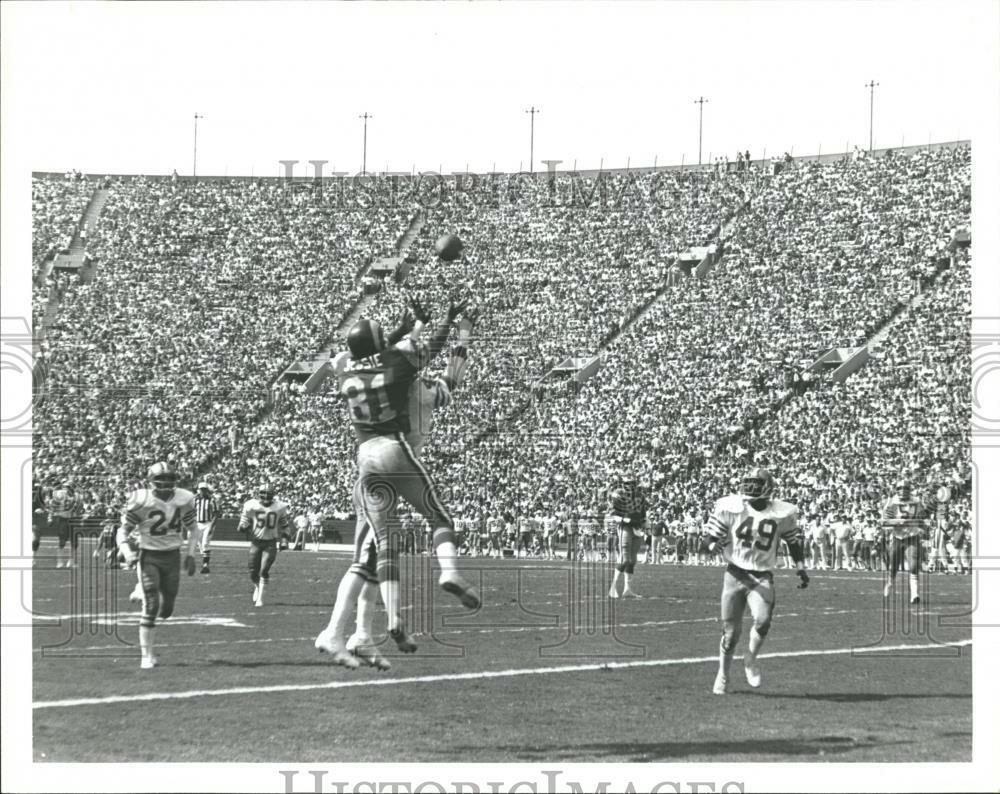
[64, 507]
[392, 410]
[265, 519]
[628, 508]
[747, 527]
[159, 514]
[907, 520]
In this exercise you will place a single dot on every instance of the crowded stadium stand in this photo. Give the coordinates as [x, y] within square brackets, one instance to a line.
[669, 322]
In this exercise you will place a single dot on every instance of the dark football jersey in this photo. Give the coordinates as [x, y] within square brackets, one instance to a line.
[377, 388]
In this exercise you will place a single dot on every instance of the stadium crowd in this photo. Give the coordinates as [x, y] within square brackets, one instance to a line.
[203, 292]
[244, 277]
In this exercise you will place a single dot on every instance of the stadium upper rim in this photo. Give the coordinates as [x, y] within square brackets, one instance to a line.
[560, 168]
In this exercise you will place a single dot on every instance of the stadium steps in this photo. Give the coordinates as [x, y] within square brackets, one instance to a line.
[73, 259]
[328, 348]
[881, 333]
[721, 231]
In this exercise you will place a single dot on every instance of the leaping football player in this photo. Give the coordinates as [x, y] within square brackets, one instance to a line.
[906, 519]
[265, 520]
[160, 514]
[392, 408]
[747, 527]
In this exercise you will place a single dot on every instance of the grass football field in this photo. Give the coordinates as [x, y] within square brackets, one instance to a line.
[548, 669]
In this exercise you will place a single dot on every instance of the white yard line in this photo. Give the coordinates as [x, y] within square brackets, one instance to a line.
[476, 676]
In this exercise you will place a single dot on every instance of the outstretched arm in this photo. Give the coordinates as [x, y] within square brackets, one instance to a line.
[460, 353]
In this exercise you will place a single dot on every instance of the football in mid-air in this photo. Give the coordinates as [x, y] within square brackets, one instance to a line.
[449, 247]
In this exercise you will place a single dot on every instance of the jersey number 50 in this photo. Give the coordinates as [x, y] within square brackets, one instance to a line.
[767, 529]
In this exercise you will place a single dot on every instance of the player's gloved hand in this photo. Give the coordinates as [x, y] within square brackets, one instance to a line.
[456, 309]
[804, 577]
[189, 565]
[419, 311]
[130, 556]
[627, 521]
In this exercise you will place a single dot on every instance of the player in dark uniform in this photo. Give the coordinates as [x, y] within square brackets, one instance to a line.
[628, 505]
[375, 379]
[907, 520]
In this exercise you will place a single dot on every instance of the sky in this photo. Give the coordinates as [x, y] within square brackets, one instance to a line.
[114, 87]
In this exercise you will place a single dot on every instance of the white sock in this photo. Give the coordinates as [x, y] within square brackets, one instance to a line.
[614, 579]
[627, 585]
[756, 640]
[390, 597]
[366, 608]
[347, 594]
[446, 556]
[146, 634]
[260, 593]
[914, 585]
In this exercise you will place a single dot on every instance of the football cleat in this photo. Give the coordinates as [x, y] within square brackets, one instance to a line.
[613, 592]
[457, 586]
[402, 639]
[204, 568]
[721, 685]
[363, 647]
[915, 600]
[887, 591]
[256, 594]
[326, 642]
[752, 669]
[148, 662]
[628, 592]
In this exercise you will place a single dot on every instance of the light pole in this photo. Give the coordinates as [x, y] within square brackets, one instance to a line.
[364, 142]
[700, 102]
[533, 111]
[194, 165]
[871, 114]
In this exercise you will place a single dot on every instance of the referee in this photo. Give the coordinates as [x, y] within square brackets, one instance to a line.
[206, 512]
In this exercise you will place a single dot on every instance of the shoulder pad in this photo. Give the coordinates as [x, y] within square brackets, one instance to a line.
[183, 495]
[340, 361]
[734, 503]
[785, 509]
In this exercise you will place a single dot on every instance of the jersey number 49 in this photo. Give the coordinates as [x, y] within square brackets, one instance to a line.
[766, 531]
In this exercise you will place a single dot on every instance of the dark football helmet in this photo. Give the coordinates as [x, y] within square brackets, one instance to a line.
[365, 339]
[266, 495]
[903, 490]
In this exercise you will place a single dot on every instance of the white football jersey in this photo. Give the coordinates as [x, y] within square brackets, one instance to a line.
[750, 537]
[426, 396]
[265, 522]
[158, 521]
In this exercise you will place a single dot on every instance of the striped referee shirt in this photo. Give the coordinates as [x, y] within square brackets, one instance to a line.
[206, 509]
